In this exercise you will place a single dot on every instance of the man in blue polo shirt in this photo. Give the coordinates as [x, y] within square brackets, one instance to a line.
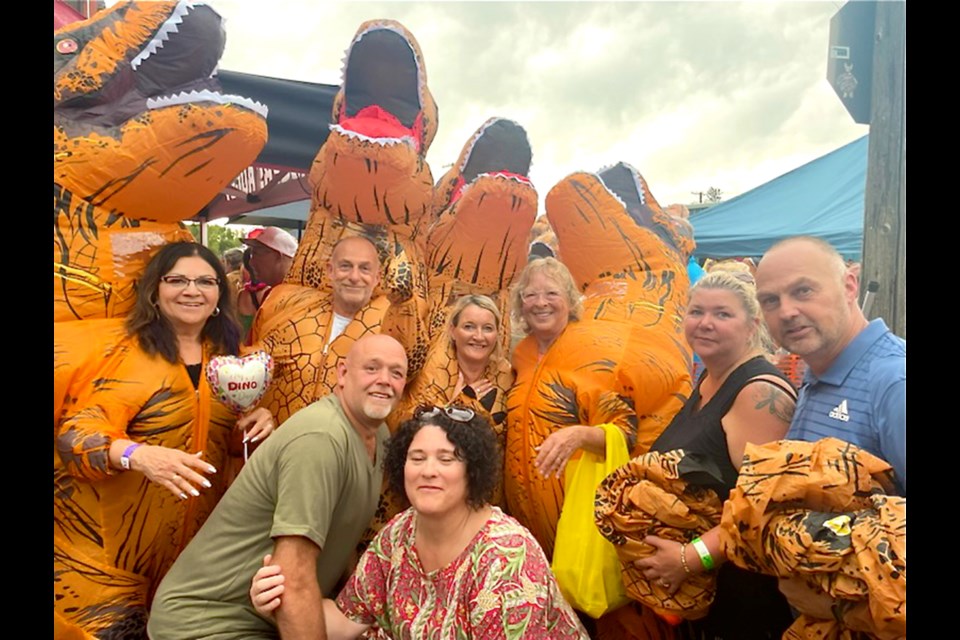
[855, 387]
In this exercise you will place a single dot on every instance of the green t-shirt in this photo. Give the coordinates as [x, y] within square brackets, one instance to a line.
[312, 478]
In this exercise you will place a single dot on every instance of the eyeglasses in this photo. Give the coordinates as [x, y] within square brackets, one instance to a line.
[455, 413]
[204, 283]
[531, 296]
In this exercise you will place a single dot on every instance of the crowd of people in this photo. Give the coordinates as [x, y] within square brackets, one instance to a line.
[438, 376]
[462, 541]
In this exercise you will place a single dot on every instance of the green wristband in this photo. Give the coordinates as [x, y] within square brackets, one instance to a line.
[705, 558]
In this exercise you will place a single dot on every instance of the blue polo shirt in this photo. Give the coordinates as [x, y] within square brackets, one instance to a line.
[861, 399]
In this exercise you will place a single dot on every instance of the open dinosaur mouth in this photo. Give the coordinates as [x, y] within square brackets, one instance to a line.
[500, 145]
[382, 83]
[175, 65]
[625, 184]
[192, 33]
[499, 148]
[622, 181]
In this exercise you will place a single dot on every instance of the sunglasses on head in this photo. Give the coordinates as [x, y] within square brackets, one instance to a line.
[455, 413]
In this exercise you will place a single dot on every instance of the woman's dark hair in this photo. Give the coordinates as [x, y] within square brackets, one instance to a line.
[153, 330]
[474, 442]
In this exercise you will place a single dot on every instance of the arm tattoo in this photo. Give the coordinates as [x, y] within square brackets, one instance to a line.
[776, 400]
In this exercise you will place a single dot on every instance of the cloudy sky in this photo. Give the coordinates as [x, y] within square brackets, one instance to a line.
[693, 94]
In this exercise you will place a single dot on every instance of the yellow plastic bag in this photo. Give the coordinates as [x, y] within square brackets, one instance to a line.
[585, 563]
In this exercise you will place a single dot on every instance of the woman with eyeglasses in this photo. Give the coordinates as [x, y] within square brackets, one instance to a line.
[139, 449]
[451, 566]
[547, 405]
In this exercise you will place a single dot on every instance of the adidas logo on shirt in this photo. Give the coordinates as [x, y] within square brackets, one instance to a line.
[839, 412]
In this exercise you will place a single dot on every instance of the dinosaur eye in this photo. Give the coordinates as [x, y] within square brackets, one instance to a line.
[67, 45]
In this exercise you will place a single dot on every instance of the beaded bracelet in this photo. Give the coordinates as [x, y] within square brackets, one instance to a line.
[683, 558]
[705, 558]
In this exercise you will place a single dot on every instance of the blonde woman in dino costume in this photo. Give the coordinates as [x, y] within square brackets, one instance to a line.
[131, 162]
[623, 362]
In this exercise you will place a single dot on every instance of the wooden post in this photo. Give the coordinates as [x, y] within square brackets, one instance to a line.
[885, 221]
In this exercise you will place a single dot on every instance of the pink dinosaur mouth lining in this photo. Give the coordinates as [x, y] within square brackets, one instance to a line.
[375, 122]
[461, 184]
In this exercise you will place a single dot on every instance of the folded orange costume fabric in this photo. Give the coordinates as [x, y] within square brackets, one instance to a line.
[653, 495]
[824, 515]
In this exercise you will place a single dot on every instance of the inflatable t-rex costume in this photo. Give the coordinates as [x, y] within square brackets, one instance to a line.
[625, 362]
[654, 494]
[370, 179]
[825, 516]
[142, 140]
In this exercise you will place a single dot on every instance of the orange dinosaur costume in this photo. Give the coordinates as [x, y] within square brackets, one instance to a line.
[825, 515]
[371, 179]
[625, 362]
[651, 495]
[142, 140]
[116, 533]
[139, 144]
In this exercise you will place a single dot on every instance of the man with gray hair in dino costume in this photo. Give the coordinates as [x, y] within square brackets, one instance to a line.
[372, 189]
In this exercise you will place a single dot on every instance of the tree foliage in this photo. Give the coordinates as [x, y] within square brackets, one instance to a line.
[219, 238]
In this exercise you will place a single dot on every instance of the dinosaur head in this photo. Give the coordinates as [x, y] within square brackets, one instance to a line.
[484, 208]
[372, 169]
[609, 226]
[631, 188]
[384, 98]
[140, 126]
[498, 148]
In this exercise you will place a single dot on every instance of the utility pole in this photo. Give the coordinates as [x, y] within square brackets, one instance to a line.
[885, 218]
[867, 69]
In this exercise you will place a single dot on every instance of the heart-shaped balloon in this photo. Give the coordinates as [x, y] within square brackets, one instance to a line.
[239, 383]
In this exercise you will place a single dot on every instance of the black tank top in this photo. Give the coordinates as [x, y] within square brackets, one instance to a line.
[748, 606]
[700, 431]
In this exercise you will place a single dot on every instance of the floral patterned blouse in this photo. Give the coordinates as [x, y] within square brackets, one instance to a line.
[500, 586]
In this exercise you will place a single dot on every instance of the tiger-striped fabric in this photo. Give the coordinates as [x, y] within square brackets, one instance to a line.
[649, 496]
[825, 515]
[116, 533]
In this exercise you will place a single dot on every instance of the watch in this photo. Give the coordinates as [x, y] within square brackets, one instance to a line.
[125, 456]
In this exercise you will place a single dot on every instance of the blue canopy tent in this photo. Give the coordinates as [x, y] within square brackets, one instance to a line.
[823, 198]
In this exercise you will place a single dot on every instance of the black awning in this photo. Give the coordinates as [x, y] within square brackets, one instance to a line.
[298, 119]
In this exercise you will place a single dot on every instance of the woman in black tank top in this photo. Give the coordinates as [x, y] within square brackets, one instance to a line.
[740, 398]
